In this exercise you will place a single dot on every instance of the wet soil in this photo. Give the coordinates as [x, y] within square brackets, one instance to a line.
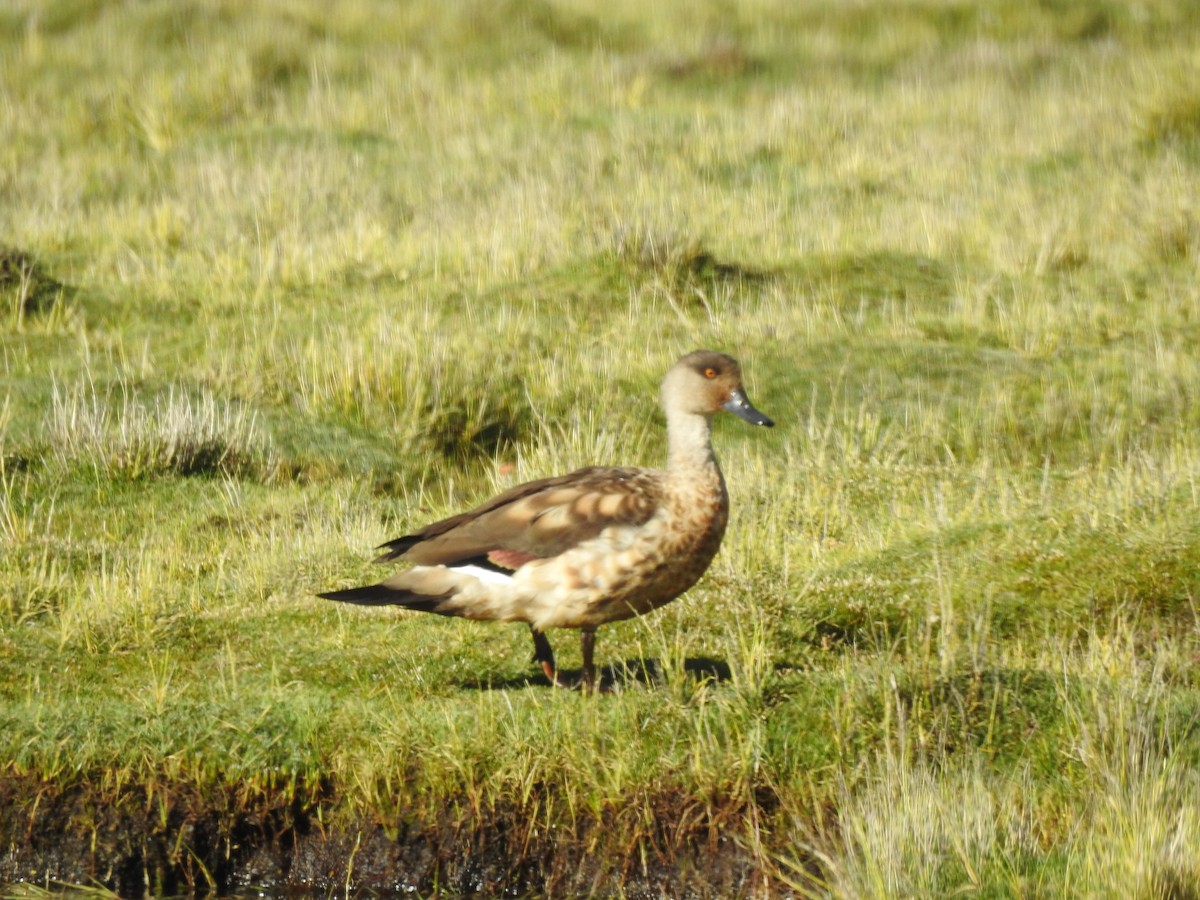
[150, 839]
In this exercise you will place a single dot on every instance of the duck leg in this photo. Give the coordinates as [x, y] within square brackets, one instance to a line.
[587, 644]
[542, 653]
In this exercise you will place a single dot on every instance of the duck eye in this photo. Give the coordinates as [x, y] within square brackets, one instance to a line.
[710, 372]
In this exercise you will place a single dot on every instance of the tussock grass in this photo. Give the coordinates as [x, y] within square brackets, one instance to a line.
[30, 293]
[290, 284]
[119, 435]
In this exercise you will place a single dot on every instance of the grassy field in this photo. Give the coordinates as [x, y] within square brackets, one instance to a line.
[281, 280]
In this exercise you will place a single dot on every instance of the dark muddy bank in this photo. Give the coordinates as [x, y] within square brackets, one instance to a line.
[139, 840]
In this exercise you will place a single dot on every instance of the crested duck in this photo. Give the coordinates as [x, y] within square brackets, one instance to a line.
[598, 545]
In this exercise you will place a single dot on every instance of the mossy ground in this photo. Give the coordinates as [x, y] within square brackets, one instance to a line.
[280, 281]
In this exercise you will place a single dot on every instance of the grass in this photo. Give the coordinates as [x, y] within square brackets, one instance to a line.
[277, 285]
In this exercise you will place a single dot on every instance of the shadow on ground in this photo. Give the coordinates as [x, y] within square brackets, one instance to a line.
[613, 677]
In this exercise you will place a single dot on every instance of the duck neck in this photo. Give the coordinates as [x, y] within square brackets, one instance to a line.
[695, 489]
[689, 445]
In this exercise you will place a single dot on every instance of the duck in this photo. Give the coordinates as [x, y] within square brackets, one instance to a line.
[598, 545]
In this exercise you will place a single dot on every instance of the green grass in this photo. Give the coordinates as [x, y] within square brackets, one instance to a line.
[277, 284]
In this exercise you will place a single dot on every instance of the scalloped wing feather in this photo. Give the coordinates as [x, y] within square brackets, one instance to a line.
[539, 519]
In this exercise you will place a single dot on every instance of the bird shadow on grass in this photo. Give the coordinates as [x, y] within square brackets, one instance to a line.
[611, 677]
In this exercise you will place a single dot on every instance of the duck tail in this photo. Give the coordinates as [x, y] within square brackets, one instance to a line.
[383, 595]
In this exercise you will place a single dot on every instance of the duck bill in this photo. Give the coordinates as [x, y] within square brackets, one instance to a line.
[744, 409]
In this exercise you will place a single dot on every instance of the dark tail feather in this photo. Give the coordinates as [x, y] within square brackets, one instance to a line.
[397, 548]
[382, 595]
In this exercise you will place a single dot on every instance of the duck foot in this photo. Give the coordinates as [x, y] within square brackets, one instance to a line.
[544, 654]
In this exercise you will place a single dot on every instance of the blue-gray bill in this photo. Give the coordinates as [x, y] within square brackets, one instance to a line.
[744, 409]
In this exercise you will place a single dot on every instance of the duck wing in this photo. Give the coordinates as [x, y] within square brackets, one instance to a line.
[538, 519]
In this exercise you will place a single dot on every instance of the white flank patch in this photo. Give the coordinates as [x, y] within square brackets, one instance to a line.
[484, 574]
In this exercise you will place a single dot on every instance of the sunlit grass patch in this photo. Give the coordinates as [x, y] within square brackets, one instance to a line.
[920, 831]
[119, 434]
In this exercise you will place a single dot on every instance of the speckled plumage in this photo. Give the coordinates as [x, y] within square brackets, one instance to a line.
[598, 545]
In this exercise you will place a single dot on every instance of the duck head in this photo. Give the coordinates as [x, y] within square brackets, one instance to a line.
[706, 382]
